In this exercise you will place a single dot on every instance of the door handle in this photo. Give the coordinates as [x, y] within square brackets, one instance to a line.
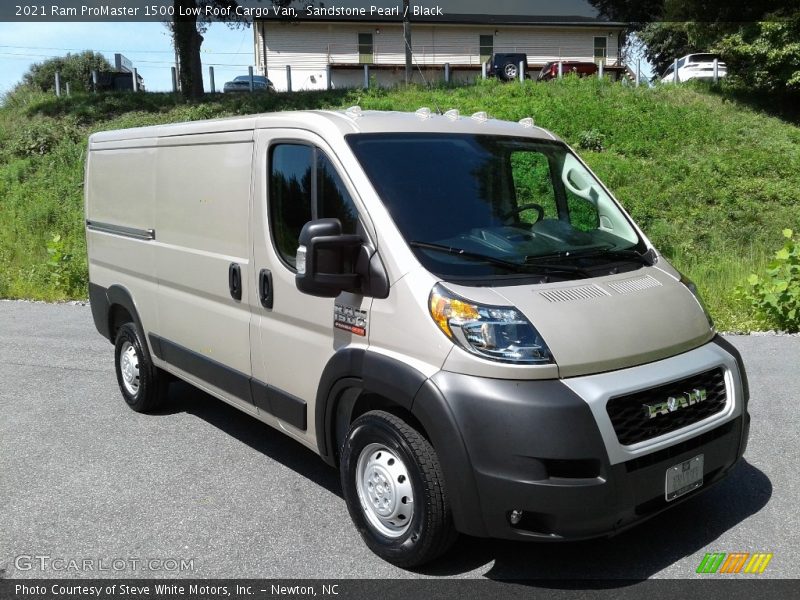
[265, 288]
[235, 281]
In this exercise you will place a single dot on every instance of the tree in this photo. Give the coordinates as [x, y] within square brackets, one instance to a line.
[187, 32]
[682, 11]
[759, 40]
[187, 35]
[630, 11]
[74, 68]
[765, 56]
[664, 42]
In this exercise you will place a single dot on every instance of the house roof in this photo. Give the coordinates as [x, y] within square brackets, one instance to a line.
[458, 19]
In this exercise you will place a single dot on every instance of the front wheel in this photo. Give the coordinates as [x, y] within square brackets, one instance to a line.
[394, 489]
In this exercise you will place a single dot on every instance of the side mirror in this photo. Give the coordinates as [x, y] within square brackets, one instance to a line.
[326, 259]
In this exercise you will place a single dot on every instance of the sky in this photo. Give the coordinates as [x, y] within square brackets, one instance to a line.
[148, 45]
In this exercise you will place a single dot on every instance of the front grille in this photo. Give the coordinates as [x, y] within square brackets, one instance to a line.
[632, 423]
[676, 450]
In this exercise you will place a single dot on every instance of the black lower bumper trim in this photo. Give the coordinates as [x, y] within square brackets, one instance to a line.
[572, 510]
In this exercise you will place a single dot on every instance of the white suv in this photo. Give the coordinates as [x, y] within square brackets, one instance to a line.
[695, 66]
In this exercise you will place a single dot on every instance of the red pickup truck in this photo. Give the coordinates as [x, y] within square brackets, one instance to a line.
[581, 69]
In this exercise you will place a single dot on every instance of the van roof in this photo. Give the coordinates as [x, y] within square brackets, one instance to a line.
[352, 120]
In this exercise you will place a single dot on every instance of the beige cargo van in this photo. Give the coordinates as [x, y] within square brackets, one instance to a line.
[452, 310]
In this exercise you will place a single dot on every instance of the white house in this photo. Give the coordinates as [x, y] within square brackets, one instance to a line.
[317, 49]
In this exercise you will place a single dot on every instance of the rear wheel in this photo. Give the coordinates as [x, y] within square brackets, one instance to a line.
[510, 71]
[394, 490]
[143, 385]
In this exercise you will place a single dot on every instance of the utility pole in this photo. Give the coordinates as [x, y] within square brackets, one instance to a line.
[177, 85]
[407, 39]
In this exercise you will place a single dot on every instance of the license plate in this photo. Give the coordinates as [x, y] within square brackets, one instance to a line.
[684, 477]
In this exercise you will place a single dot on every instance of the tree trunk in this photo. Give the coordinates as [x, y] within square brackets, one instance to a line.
[187, 44]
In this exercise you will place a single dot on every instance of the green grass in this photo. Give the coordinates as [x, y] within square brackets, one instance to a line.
[711, 181]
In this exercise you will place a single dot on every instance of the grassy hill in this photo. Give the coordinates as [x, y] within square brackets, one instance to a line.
[712, 182]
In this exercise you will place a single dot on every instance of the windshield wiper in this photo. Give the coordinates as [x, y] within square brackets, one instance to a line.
[507, 264]
[646, 258]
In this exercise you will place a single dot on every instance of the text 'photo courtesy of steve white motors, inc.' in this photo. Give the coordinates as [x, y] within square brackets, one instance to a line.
[165, 590]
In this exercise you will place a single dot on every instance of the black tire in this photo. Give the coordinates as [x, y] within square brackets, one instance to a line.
[430, 532]
[148, 391]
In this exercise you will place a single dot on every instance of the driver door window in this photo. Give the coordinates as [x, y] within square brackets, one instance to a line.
[304, 185]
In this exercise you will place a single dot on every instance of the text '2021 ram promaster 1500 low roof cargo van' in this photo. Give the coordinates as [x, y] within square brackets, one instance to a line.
[452, 310]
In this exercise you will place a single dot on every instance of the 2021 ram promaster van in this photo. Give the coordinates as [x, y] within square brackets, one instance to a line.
[453, 310]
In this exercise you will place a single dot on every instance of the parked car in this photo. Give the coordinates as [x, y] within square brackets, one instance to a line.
[491, 346]
[695, 66]
[242, 84]
[581, 69]
[505, 65]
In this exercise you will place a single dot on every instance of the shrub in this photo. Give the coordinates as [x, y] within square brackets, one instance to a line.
[74, 68]
[35, 139]
[66, 269]
[591, 140]
[776, 296]
[39, 137]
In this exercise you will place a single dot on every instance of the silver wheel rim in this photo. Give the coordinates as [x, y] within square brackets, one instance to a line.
[384, 490]
[511, 71]
[129, 367]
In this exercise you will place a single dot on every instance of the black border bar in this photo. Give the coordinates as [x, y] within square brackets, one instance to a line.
[441, 11]
[729, 588]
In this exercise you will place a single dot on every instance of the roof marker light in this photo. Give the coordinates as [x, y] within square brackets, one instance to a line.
[453, 114]
[354, 112]
[424, 113]
[527, 122]
[481, 117]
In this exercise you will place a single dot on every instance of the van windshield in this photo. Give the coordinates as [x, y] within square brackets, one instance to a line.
[480, 206]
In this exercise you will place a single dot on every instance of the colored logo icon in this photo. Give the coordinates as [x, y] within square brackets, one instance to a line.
[735, 562]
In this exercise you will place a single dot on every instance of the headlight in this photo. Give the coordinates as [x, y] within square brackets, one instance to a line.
[693, 288]
[499, 333]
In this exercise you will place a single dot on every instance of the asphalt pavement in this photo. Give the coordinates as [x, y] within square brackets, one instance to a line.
[202, 490]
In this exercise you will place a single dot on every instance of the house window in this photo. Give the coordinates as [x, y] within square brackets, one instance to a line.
[365, 49]
[600, 49]
[487, 47]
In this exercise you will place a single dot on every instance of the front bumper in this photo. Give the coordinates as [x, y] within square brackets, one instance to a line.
[543, 448]
[620, 496]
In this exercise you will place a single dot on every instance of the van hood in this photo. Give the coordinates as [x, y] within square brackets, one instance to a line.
[613, 322]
